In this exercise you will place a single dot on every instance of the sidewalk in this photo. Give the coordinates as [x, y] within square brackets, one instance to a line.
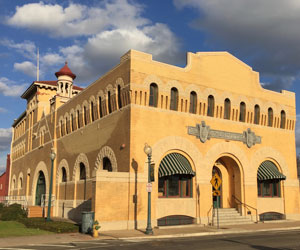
[169, 232]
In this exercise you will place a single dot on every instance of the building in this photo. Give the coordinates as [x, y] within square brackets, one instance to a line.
[211, 116]
[4, 180]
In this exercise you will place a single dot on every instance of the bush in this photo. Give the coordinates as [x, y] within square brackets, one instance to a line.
[52, 226]
[12, 212]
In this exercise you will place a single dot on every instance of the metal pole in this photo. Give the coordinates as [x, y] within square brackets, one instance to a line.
[149, 228]
[218, 212]
[50, 192]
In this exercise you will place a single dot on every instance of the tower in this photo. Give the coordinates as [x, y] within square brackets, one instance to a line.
[65, 79]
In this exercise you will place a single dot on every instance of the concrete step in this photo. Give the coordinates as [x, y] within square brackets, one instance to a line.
[230, 216]
[37, 211]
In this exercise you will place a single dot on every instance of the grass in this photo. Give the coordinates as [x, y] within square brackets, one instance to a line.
[13, 228]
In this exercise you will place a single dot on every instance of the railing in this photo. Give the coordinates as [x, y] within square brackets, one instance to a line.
[248, 207]
[11, 199]
[212, 215]
[45, 198]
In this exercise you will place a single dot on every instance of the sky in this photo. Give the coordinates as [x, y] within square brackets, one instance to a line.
[92, 35]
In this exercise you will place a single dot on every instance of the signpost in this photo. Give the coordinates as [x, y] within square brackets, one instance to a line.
[216, 183]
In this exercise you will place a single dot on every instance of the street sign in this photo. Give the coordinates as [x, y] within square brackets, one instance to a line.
[216, 181]
[216, 193]
[149, 187]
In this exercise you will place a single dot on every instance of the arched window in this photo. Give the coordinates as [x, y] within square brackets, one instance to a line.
[20, 183]
[210, 106]
[193, 102]
[227, 109]
[92, 112]
[270, 117]
[119, 97]
[107, 164]
[175, 177]
[82, 174]
[84, 115]
[109, 102]
[61, 128]
[153, 95]
[282, 119]
[72, 122]
[100, 107]
[63, 175]
[174, 99]
[67, 131]
[78, 119]
[256, 114]
[242, 112]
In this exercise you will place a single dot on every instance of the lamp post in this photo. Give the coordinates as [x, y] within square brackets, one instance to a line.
[148, 151]
[52, 157]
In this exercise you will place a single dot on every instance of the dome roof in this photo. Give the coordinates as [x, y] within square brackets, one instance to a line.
[65, 71]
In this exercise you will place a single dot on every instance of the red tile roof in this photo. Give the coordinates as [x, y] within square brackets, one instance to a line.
[65, 70]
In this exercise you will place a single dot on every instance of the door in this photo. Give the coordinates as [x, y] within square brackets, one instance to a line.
[40, 189]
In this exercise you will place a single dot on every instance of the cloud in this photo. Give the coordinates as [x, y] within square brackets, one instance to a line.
[26, 48]
[5, 139]
[28, 68]
[3, 110]
[265, 32]
[77, 19]
[9, 88]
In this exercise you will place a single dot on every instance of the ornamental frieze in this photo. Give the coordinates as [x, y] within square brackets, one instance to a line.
[204, 133]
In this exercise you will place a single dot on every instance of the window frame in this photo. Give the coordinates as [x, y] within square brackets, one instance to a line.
[181, 179]
[271, 183]
[153, 95]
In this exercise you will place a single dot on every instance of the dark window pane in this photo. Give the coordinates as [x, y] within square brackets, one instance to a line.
[161, 187]
[266, 189]
[173, 185]
[82, 172]
[210, 106]
[174, 99]
[153, 95]
[227, 108]
[107, 164]
[259, 188]
[242, 112]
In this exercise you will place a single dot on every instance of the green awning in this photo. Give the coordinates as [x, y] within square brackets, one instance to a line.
[174, 163]
[268, 171]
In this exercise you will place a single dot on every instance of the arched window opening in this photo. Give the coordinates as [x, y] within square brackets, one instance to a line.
[72, 122]
[270, 117]
[109, 102]
[174, 99]
[63, 175]
[107, 164]
[282, 119]
[175, 177]
[20, 183]
[92, 111]
[82, 174]
[210, 106]
[84, 115]
[242, 112]
[227, 109]
[78, 119]
[153, 98]
[66, 88]
[61, 128]
[67, 131]
[40, 189]
[119, 97]
[100, 107]
[256, 114]
[193, 102]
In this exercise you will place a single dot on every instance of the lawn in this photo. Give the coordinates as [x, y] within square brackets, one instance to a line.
[13, 228]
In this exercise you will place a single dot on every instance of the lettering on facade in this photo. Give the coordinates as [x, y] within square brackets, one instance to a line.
[204, 133]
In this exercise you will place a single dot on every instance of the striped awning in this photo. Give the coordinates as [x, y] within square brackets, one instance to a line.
[268, 171]
[174, 163]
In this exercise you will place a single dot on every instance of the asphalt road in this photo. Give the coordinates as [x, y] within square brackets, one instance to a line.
[284, 240]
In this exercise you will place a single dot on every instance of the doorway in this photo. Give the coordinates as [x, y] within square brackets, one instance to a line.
[40, 189]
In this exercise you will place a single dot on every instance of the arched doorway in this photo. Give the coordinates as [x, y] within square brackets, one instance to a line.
[231, 188]
[40, 189]
[217, 199]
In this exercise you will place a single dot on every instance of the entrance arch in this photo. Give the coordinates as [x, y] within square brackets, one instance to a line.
[231, 188]
[40, 189]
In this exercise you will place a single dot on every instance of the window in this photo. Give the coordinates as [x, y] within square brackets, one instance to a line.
[270, 117]
[82, 174]
[227, 107]
[175, 186]
[153, 95]
[119, 97]
[92, 112]
[256, 114]
[61, 128]
[63, 175]
[282, 119]
[242, 112]
[100, 107]
[72, 122]
[107, 164]
[210, 106]
[20, 183]
[78, 119]
[84, 115]
[109, 102]
[67, 131]
[269, 188]
[193, 102]
[174, 99]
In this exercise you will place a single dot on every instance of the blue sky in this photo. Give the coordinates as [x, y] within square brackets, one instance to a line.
[92, 35]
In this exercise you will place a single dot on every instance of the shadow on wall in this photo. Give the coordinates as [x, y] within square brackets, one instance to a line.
[75, 213]
[135, 166]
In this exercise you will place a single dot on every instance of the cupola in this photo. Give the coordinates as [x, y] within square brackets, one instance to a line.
[65, 79]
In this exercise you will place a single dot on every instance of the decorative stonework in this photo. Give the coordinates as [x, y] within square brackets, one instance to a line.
[109, 153]
[120, 82]
[204, 133]
[81, 158]
[63, 163]
[40, 167]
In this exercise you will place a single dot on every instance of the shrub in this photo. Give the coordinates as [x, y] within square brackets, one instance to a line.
[12, 212]
[52, 226]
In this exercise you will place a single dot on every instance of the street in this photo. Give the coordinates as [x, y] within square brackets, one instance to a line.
[284, 240]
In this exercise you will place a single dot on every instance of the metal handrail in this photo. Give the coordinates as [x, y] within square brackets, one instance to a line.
[246, 206]
[211, 215]
[10, 199]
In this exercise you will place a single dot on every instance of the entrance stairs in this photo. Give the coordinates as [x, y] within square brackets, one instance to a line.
[229, 216]
[37, 211]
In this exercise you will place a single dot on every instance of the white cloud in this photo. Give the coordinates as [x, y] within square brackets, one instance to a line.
[5, 139]
[9, 88]
[266, 32]
[26, 48]
[77, 19]
[28, 68]
[51, 59]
